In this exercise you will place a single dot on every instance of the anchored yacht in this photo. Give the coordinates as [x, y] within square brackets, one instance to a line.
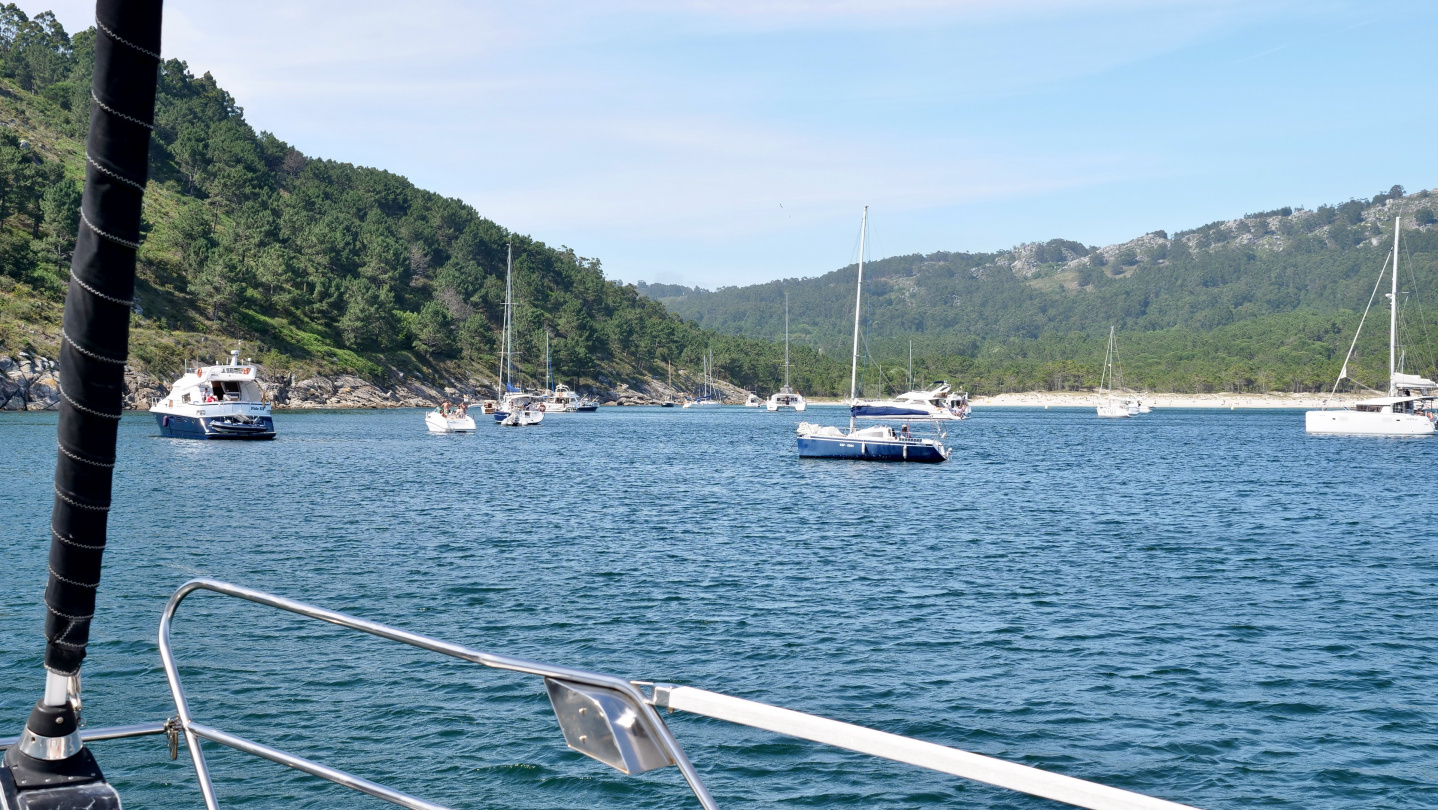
[877, 443]
[939, 402]
[216, 402]
[445, 420]
[1108, 406]
[1411, 405]
[786, 398]
[563, 400]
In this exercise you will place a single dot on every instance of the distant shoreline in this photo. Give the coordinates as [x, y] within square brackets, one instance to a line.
[1088, 399]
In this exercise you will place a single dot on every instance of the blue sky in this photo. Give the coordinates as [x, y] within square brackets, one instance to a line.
[718, 143]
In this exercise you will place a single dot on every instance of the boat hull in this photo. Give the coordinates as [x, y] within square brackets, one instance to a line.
[1365, 423]
[175, 426]
[870, 449]
[438, 424]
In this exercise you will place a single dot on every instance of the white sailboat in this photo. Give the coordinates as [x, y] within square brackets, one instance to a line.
[786, 398]
[516, 408]
[1108, 406]
[708, 399]
[1411, 404]
[877, 443]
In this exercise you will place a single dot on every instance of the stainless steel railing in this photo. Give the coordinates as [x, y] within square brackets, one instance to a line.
[613, 720]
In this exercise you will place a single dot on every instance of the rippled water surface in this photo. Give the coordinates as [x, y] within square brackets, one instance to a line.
[1208, 606]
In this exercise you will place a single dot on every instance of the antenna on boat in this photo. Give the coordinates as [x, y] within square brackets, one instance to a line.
[51, 756]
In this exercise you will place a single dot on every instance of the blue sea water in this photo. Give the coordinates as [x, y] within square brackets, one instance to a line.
[1207, 606]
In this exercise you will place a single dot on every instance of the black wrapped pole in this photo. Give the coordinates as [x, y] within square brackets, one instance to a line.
[97, 317]
[96, 337]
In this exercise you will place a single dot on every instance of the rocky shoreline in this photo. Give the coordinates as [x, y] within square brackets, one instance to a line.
[32, 383]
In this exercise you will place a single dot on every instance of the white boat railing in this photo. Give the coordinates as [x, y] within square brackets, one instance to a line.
[613, 720]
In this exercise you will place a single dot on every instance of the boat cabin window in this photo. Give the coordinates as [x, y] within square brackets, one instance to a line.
[1368, 408]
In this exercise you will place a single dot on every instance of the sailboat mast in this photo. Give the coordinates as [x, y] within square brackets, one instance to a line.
[548, 387]
[509, 319]
[911, 365]
[786, 340]
[1393, 311]
[858, 294]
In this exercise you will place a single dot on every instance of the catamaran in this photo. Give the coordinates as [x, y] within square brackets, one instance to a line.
[877, 443]
[786, 398]
[1409, 408]
[216, 402]
[1108, 406]
[516, 408]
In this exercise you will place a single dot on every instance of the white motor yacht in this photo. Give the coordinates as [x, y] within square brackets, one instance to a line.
[216, 402]
[938, 402]
[563, 400]
[1411, 405]
[753, 401]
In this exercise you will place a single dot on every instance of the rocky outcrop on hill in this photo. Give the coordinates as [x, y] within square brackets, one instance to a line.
[28, 383]
[31, 383]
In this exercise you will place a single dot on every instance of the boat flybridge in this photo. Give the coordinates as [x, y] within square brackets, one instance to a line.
[786, 398]
[877, 443]
[1411, 404]
[216, 402]
[50, 764]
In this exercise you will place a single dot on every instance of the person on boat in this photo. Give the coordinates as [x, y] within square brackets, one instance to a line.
[463, 409]
[444, 409]
[905, 432]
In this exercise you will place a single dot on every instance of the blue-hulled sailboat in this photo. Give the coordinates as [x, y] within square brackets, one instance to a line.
[877, 443]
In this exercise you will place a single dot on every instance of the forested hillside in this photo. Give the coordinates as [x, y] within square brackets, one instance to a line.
[1268, 301]
[318, 266]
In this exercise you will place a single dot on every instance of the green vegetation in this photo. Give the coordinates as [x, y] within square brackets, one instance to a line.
[1268, 302]
[322, 267]
[318, 266]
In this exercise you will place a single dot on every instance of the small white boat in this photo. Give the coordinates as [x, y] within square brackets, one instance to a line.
[1144, 407]
[1108, 406]
[1411, 405]
[786, 398]
[216, 402]
[440, 421]
[522, 418]
[519, 409]
[753, 401]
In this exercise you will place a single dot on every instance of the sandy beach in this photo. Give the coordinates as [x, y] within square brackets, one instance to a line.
[1066, 399]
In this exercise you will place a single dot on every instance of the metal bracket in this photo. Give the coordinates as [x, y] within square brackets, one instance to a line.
[604, 724]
